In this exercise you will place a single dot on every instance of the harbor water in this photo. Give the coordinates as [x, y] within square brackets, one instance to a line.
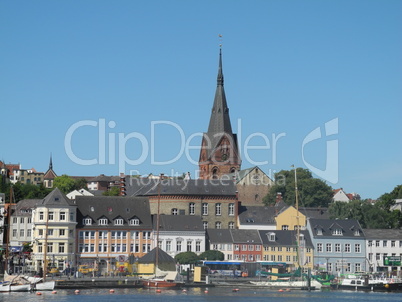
[201, 294]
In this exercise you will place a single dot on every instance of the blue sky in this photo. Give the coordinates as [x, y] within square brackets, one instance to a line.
[289, 66]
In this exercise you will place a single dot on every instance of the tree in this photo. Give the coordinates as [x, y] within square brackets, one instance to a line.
[187, 258]
[212, 255]
[67, 184]
[313, 192]
[114, 191]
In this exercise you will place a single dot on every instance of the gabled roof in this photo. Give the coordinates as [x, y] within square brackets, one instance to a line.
[383, 234]
[24, 207]
[258, 215]
[111, 207]
[178, 223]
[319, 213]
[165, 262]
[219, 236]
[348, 226]
[245, 236]
[55, 198]
[185, 187]
[284, 238]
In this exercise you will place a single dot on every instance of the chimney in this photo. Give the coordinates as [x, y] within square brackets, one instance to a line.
[122, 184]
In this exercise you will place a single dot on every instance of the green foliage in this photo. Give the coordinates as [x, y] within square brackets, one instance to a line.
[313, 192]
[26, 247]
[114, 191]
[66, 184]
[370, 215]
[212, 255]
[21, 191]
[187, 258]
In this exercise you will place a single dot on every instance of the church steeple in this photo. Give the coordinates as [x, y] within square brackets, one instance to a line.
[220, 120]
[219, 151]
[50, 163]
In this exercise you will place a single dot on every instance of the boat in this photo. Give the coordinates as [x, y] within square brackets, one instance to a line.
[367, 282]
[171, 279]
[295, 284]
[14, 287]
[40, 283]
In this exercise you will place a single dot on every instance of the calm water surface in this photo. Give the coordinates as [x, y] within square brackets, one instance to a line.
[198, 294]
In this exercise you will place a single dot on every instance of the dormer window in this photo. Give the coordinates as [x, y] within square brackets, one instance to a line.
[118, 221]
[102, 221]
[134, 221]
[357, 233]
[319, 231]
[337, 232]
[87, 221]
[271, 236]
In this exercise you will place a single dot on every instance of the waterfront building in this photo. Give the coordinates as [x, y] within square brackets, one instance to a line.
[384, 250]
[53, 231]
[283, 246]
[178, 234]
[339, 245]
[112, 230]
[220, 240]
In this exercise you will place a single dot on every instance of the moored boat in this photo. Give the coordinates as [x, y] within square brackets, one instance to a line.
[368, 283]
[161, 283]
[9, 287]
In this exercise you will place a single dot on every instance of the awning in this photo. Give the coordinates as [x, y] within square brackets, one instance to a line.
[15, 249]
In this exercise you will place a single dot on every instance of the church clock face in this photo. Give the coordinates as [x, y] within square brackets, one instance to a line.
[224, 157]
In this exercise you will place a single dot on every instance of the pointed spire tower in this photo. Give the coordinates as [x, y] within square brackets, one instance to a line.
[219, 150]
[50, 175]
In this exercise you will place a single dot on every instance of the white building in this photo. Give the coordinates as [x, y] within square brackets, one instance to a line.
[381, 244]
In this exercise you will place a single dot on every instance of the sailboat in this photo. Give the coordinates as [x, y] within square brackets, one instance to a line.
[161, 278]
[286, 279]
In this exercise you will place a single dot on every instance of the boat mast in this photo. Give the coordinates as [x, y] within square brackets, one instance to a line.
[7, 229]
[157, 225]
[45, 246]
[297, 219]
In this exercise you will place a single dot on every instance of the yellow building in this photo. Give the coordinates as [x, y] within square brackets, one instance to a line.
[289, 219]
[53, 225]
[282, 246]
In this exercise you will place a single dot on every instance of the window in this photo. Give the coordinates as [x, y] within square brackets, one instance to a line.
[251, 247]
[271, 236]
[288, 258]
[118, 221]
[377, 243]
[22, 220]
[50, 232]
[51, 215]
[134, 221]
[285, 227]
[62, 216]
[205, 225]
[61, 248]
[231, 225]
[319, 231]
[178, 246]
[102, 234]
[329, 248]
[337, 247]
[347, 247]
[272, 249]
[357, 267]
[40, 247]
[237, 247]
[393, 243]
[384, 243]
[29, 220]
[102, 221]
[40, 232]
[175, 211]
[273, 258]
[50, 247]
[29, 233]
[319, 247]
[198, 246]
[337, 232]
[191, 208]
[62, 232]
[218, 211]
[40, 215]
[22, 233]
[218, 225]
[87, 221]
[204, 209]
[231, 209]
[102, 247]
[357, 248]
[168, 245]
[189, 246]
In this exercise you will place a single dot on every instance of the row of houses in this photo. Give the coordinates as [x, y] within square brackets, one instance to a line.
[106, 230]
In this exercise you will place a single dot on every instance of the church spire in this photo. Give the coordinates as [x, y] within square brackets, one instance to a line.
[50, 163]
[220, 120]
